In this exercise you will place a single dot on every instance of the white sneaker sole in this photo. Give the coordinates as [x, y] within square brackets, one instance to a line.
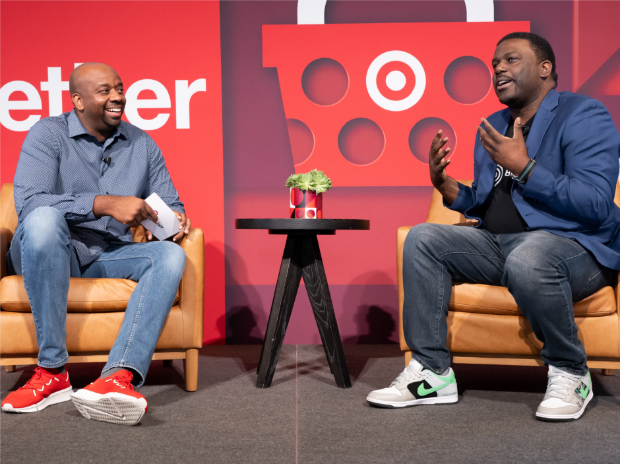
[55, 398]
[113, 408]
[566, 417]
[407, 404]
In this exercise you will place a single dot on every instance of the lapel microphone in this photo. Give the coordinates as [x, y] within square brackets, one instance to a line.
[106, 160]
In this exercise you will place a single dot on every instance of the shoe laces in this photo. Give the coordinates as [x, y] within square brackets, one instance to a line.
[122, 380]
[36, 380]
[560, 383]
[409, 375]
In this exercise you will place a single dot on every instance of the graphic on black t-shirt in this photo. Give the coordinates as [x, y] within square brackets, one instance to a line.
[499, 175]
[501, 215]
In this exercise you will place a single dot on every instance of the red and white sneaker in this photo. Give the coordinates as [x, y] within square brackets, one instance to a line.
[46, 387]
[111, 399]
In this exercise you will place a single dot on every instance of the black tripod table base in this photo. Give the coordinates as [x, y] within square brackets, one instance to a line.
[302, 258]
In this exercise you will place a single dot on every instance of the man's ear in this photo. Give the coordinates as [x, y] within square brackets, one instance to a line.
[545, 69]
[77, 101]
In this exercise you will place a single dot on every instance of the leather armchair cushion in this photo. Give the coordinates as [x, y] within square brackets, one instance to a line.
[86, 333]
[85, 295]
[488, 299]
[502, 335]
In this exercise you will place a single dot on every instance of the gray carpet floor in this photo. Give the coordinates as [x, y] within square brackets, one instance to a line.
[305, 418]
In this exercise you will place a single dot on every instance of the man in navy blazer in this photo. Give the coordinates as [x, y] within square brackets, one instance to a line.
[545, 174]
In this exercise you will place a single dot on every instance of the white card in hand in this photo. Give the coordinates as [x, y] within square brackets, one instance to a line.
[167, 222]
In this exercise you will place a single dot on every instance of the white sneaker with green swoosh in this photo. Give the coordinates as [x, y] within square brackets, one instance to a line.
[416, 385]
[567, 396]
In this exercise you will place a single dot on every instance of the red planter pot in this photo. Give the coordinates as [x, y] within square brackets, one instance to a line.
[305, 204]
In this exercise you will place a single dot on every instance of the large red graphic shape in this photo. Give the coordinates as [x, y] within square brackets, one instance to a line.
[173, 55]
[364, 50]
[594, 43]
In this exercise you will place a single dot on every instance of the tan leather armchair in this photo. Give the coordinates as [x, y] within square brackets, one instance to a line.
[96, 308]
[485, 326]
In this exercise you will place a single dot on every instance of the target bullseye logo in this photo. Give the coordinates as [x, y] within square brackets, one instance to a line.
[395, 80]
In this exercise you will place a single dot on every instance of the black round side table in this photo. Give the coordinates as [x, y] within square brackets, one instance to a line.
[302, 258]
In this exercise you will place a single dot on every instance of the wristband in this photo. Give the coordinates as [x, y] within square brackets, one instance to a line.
[526, 172]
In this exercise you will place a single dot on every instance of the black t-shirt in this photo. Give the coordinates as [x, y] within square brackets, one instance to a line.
[502, 216]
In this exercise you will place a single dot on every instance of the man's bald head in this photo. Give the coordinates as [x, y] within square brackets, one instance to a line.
[86, 72]
[98, 98]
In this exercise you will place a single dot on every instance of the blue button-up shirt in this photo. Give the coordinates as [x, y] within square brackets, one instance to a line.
[61, 166]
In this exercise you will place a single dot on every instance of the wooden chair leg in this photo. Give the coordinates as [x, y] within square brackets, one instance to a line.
[167, 362]
[10, 368]
[608, 372]
[190, 365]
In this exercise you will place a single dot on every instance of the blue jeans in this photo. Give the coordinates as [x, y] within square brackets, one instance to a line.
[42, 253]
[545, 274]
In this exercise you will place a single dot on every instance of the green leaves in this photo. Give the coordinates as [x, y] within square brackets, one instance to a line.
[293, 180]
[314, 180]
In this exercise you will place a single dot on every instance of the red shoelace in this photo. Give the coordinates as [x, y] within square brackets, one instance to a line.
[36, 380]
[121, 380]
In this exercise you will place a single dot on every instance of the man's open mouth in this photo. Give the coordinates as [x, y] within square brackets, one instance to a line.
[114, 112]
[502, 83]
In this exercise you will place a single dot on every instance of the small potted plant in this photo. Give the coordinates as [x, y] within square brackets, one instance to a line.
[306, 194]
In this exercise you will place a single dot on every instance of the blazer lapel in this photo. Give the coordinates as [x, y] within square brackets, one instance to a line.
[542, 121]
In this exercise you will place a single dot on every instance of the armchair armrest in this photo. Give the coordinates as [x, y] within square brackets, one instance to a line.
[617, 289]
[401, 235]
[191, 289]
[5, 241]
[439, 214]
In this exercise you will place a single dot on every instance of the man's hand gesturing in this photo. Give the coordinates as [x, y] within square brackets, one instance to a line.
[126, 210]
[437, 161]
[437, 164]
[509, 153]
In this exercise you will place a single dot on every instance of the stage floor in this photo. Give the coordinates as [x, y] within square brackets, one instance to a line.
[304, 418]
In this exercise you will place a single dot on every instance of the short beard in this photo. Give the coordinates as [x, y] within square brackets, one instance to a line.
[508, 101]
[111, 123]
[514, 101]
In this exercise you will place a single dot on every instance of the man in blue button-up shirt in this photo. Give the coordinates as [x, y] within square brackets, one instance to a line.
[80, 185]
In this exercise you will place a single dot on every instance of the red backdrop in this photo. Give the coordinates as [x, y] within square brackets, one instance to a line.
[165, 42]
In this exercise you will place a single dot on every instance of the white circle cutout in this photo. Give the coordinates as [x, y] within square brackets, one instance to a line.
[416, 93]
[395, 81]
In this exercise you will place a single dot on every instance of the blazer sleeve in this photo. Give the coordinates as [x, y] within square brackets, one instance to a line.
[591, 147]
[466, 199]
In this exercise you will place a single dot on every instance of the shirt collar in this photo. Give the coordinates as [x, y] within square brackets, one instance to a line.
[529, 122]
[77, 128]
[525, 128]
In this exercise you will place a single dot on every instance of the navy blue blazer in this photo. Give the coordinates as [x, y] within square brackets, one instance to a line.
[571, 190]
